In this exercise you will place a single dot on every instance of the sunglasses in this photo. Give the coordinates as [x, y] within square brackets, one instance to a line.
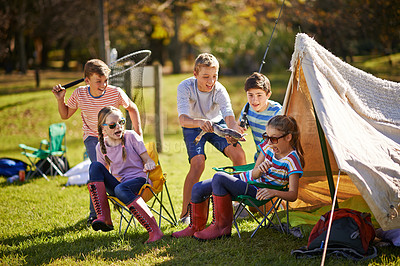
[113, 125]
[274, 140]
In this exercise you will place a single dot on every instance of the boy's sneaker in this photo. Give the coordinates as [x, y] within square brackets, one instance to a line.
[242, 212]
[185, 220]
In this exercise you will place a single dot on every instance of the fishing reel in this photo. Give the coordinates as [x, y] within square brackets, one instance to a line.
[244, 122]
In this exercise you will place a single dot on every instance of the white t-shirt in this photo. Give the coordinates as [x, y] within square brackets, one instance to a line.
[214, 105]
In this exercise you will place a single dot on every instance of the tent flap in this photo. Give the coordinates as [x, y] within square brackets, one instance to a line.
[360, 117]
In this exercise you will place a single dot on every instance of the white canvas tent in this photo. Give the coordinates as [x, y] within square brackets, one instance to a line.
[360, 118]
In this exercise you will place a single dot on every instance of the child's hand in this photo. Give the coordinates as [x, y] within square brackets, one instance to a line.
[59, 91]
[242, 129]
[264, 166]
[149, 165]
[265, 193]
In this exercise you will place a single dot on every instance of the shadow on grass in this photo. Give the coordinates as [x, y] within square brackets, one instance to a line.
[18, 103]
[64, 242]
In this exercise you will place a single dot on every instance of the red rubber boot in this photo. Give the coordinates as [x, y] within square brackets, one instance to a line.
[222, 223]
[98, 194]
[198, 219]
[143, 214]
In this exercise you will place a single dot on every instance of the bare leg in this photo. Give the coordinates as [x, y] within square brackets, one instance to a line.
[197, 164]
[236, 154]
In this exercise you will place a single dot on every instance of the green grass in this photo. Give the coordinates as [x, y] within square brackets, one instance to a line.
[44, 222]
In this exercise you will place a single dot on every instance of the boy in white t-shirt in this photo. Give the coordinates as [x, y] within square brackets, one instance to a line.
[202, 100]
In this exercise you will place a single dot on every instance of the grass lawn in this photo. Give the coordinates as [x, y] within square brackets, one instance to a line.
[45, 222]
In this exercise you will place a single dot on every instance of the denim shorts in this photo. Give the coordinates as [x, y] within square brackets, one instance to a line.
[189, 135]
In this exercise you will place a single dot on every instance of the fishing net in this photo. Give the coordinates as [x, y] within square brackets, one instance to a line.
[131, 82]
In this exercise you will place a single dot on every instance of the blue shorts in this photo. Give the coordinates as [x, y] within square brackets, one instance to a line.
[189, 135]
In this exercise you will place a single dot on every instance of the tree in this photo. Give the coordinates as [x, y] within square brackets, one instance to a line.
[346, 26]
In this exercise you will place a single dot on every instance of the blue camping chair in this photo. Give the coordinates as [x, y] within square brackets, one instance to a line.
[270, 217]
[51, 152]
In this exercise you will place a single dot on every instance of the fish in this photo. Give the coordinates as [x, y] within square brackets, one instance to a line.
[222, 132]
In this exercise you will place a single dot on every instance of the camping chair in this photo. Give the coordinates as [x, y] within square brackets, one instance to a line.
[50, 152]
[153, 189]
[245, 200]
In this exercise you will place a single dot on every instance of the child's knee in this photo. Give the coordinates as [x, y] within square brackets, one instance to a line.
[95, 169]
[119, 191]
[218, 179]
[197, 164]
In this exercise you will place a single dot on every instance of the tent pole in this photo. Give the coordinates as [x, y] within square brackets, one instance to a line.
[326, 159]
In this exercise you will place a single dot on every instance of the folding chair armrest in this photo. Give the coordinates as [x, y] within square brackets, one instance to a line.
[25, 147]
[263, 185]
[235, 169]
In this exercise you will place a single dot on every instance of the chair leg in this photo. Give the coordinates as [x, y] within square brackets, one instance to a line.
[172, 219]
[53, 166]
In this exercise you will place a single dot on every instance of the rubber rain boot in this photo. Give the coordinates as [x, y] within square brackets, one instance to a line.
[143, 214]
[99, 198]
[222, 222]
[198, 213]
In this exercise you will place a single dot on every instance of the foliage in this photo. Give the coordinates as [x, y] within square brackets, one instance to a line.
[175, 31]
[348, 27]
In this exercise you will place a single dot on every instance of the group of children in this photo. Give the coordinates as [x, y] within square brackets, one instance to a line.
[120, 160]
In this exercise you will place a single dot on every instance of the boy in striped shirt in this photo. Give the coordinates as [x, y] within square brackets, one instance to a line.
[259, 109]
[91, 98]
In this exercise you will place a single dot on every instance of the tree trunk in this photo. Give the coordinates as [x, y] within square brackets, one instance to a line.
[22, 52]
[175, 46]
[67, 56]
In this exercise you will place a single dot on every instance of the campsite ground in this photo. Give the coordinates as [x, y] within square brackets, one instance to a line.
[44, 222]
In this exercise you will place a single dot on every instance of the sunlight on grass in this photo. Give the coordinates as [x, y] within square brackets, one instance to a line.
[44, 222]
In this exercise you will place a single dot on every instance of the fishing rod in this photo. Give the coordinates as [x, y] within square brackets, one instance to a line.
[269, 42]
[244, 121]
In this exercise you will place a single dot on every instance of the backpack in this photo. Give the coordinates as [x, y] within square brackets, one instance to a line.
[351, 236]
[10, 167]
[44, 166]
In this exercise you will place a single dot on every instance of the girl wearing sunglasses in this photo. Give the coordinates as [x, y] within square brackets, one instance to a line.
[120, 170]
[280, 162]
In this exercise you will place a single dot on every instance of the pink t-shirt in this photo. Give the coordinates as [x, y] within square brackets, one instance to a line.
[90, 105]
[132, 167]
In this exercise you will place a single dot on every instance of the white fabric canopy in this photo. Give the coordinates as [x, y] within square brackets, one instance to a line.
[360, 116]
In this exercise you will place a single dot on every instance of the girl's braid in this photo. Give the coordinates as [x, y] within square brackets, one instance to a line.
[123, 147]
[103, 146]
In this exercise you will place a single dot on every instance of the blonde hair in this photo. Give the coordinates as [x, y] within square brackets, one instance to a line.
[257, 81]
[288, 125]
[96, 66]
[207, 60]
[101, 119]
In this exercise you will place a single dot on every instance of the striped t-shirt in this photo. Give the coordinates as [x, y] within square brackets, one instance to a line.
[90, 105]
[280, 170]
[258, 121]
